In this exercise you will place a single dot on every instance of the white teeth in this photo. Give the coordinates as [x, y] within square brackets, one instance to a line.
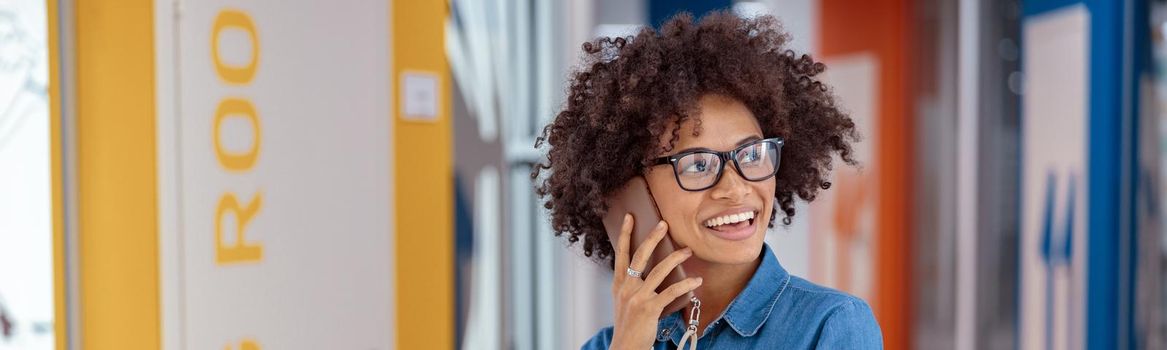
[729, 219]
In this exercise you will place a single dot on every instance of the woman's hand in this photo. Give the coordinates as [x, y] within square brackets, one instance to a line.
[638, 305]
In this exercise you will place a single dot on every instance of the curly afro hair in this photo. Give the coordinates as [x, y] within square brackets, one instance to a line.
[631, 90]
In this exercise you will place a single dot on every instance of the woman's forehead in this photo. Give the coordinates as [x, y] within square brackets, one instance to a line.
[720, 123]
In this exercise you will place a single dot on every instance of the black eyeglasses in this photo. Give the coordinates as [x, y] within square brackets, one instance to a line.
[698, 170]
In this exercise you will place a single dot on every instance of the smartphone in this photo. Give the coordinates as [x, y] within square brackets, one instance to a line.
[636, 199]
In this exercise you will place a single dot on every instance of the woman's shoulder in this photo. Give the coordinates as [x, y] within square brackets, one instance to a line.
[803, 292]
[842, 319]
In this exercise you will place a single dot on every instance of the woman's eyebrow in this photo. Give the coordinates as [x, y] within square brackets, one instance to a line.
[746, 140]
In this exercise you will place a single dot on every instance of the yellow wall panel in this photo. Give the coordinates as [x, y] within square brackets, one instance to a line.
[55, 168]
[116, 184]
[423, 185]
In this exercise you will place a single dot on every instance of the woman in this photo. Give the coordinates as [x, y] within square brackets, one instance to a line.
[685, 108]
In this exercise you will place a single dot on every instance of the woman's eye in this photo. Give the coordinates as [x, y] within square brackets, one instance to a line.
[750, 155]
[696, 167]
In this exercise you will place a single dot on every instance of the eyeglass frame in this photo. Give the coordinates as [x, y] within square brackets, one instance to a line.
[731, 155]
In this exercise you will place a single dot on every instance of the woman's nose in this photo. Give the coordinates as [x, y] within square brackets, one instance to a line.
[731, 186]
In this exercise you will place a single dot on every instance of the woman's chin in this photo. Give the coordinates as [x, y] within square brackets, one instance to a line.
[732, 252]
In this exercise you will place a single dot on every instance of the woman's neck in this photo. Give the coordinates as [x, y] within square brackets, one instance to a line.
[721, 283]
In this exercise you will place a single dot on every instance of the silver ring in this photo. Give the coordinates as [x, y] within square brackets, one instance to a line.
[633, 273]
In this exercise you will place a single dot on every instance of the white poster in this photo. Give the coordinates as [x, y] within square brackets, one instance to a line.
[1054, 178]
[26, 223]
[274, 168]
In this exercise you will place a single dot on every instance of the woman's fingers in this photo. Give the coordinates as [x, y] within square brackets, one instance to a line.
[622, 258]
[644, 251]
[677, 290]
[666, 266]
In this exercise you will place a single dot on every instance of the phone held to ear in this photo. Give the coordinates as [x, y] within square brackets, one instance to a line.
[636, 199]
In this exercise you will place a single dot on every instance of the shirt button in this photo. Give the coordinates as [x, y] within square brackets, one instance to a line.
[664, 334]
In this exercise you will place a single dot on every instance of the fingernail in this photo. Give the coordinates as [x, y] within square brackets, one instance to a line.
[660, 224]
[699, 280]
[688, 250]
[627, 217]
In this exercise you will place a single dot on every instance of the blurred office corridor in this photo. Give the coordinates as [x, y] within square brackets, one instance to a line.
[356, 174]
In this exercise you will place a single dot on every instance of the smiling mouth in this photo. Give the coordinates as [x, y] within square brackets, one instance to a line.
[731, 222]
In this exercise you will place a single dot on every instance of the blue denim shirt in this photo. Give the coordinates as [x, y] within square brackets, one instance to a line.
[776, 311]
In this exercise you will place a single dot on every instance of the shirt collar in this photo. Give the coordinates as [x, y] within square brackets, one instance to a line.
[750, 309]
